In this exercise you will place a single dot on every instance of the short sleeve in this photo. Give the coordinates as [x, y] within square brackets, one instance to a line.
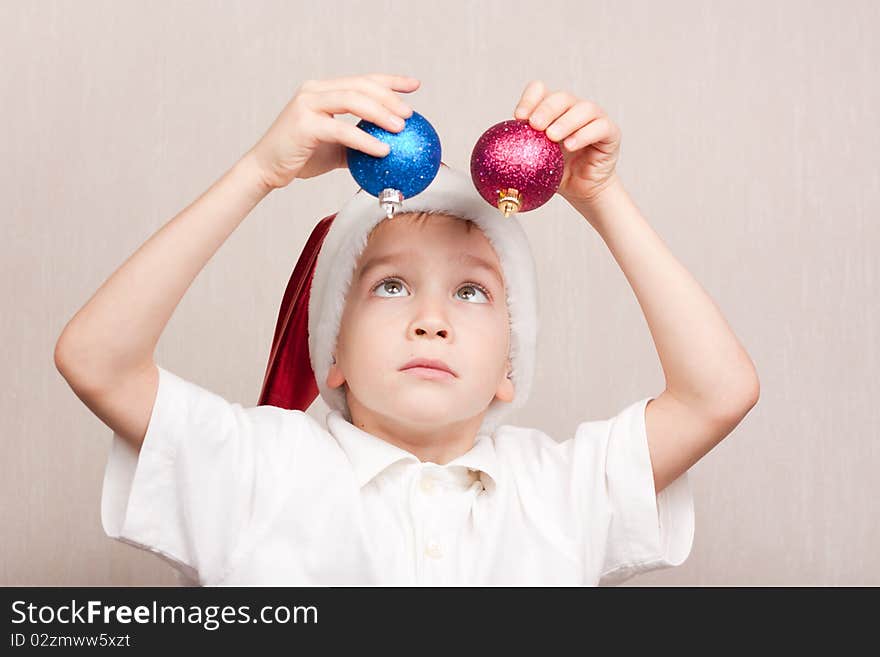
[190, 495]
[639, 530]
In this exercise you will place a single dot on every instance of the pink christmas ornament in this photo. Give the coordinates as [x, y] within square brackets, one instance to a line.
[515, 167]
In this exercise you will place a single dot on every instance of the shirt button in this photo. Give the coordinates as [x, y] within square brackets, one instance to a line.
[432, 549]
[427, 484]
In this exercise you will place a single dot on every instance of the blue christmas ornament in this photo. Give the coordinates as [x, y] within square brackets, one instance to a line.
[410, 166]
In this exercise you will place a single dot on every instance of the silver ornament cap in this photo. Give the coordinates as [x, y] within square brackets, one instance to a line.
[390, 199]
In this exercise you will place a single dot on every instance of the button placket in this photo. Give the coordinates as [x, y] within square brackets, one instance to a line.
[430, 486]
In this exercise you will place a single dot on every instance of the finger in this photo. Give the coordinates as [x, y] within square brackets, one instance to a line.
[396, 82]
[549, 109]
[361, 105]
[599, 133]
[576, 117]
[371, 86]
[531, 96]
[385, 95]
[330, 131]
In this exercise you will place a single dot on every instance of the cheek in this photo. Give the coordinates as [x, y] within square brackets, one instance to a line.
[369, 333]
[489, 336]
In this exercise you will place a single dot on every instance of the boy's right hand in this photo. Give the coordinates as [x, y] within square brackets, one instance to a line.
[306, 141]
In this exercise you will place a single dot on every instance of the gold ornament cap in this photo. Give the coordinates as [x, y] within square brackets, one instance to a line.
[509, 201]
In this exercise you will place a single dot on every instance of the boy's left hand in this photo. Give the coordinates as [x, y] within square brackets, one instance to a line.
[590, 141]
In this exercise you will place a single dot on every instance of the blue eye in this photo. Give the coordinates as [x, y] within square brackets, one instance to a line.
[391, 282]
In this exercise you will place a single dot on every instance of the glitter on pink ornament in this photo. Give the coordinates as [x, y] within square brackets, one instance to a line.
[515, 167]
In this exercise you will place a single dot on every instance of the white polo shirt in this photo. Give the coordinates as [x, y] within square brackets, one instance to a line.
[265, 496]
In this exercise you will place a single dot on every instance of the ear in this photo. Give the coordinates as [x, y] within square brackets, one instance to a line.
[506, 390]
[335, 377]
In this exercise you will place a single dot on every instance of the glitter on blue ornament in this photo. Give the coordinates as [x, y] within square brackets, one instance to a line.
[410, 166]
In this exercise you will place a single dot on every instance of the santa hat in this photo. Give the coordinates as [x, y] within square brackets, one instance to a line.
[311, 309]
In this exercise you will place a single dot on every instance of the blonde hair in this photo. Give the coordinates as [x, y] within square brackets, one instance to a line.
[422, 216]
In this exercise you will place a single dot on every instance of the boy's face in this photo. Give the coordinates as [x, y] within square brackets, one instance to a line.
[424, 305]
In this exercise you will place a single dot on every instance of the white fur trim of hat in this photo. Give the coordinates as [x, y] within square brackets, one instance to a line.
[451, 192]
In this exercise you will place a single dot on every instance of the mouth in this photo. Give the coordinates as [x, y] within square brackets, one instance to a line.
[429, 368]
[428, 373]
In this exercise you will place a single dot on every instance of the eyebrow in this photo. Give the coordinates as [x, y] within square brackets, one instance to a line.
[465, 258]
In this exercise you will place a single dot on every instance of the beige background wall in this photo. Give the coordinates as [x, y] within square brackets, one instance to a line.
[750, 142]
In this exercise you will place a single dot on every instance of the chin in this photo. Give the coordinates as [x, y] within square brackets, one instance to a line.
[418, 410]
[423, 412]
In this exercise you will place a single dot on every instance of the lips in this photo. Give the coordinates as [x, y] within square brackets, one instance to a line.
[429, 363]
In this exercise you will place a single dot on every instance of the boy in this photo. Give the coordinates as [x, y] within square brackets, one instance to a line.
[413, 481]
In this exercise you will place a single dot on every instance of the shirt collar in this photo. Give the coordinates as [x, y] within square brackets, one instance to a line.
[369, 455]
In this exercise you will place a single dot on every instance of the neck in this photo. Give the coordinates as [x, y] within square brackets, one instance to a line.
[436, 443]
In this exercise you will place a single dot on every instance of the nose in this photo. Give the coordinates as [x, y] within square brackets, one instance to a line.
[430, 327]
[431, 322]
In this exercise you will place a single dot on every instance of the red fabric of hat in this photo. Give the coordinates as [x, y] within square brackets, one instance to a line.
[290, 381]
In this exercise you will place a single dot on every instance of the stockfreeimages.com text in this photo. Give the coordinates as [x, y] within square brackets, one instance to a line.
[211, 616]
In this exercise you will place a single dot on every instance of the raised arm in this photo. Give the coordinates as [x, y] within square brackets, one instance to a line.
[711, 382]
[105, 352]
